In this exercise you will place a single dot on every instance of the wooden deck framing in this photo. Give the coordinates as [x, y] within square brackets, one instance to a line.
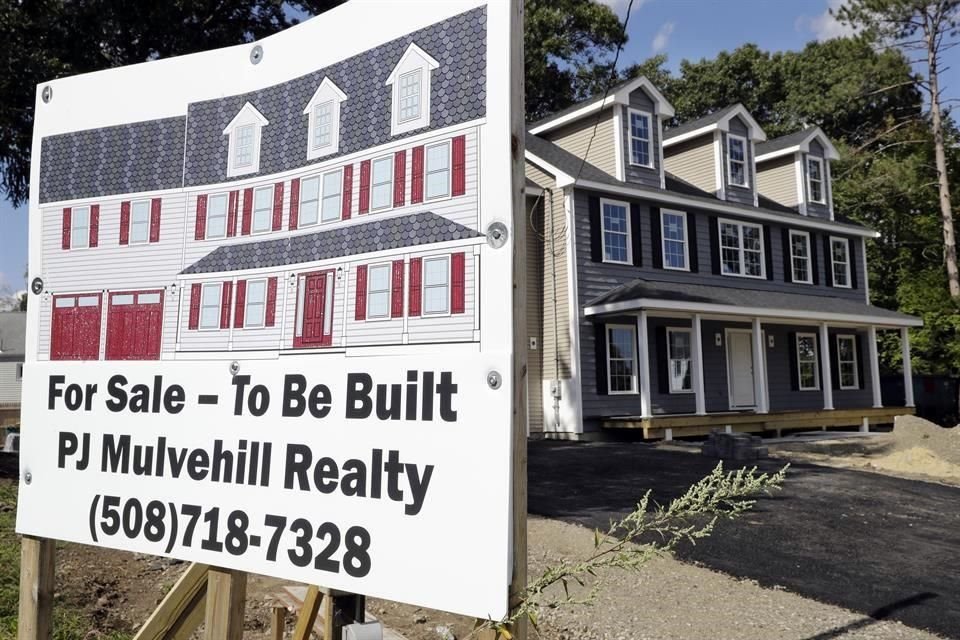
[655, 428]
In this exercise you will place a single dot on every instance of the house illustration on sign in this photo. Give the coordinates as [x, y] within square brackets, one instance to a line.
[333, 211]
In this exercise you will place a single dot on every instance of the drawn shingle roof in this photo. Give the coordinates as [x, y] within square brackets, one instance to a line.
[411, 230]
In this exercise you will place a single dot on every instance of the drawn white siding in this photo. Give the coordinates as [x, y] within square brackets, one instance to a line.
[46, 316]
[9, 384]
[577, 136]
[693, 161]
[777, 180]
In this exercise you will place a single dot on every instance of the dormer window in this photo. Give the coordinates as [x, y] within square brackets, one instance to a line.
[410, 93]
[243, 153]
[640, 139]
[815, 180]
[323, 111]
[737, 160]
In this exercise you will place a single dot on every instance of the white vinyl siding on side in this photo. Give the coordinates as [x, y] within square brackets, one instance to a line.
[575, 138]
[10, 383]
[777, 180]
[693, 161]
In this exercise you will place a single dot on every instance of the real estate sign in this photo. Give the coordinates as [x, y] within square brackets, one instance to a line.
[268, 325]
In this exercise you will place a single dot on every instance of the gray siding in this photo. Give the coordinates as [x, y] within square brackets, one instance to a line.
[577, 136]
[735, 193]
[777, 180]
[534, 278]
[693, 161]
[634, 173]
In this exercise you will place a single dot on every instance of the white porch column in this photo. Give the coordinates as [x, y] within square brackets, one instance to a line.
[874, 367]
[643, 368]
[759, 370]
[907, 367]
[826, 379]
[697, 354]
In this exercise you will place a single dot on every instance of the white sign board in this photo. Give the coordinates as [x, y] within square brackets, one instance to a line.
[267, 329]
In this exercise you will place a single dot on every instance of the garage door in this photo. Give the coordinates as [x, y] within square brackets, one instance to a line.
[75, 330]
[134, 325]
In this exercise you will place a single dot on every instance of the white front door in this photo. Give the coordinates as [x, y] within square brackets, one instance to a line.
[740, 369]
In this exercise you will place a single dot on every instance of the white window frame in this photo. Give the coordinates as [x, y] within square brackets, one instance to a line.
[746, 157]
[603, 231]
[389, 290]
[635, 387]
[413, 60]
[74, 227]
[303, 183]
[226, 216]
[743, 264]
[423, 287]
[144, 206]
[833, 272]
[856, 364]
[689, 332]
[426, 171]
[388, 160]
[204, 288]
[816, 362]
[808, 257]
[247, 301]
[663, 239]
[253, 212]
[649, 141]
[323, 196]
[247, 116]
[418, 75]
[326, 93]
[315, 143]
[822, 181]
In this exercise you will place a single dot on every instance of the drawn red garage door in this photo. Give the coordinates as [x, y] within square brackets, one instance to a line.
[75, 332]
[134, 325]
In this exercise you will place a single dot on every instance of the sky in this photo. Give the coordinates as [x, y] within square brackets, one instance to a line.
[683, 29]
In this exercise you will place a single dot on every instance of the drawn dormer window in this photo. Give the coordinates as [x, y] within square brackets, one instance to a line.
[243, 153]
[410, 91]
[323, 111]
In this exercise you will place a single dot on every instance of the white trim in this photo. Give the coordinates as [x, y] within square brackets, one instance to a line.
[663, 175]
[801, 190]
[226, 215]
[389, 159]
[618, 143]
[809, 257]
[803, 146]
[253, 211]
[723, 124]
[742, 252]
[826, 375]
[719, 178]
[856, 362]
[698, 382]
[669, 354]
[643, 357]
[603, 231]
[753, 171]
[833, 280]
[247, 116]
[146, 240]
[759, 352]
[650, 141]
[326, 92]
[634, 387]
[406, 65]
[426, 170]
[907, 367]
[866, 274]
[829, 190]
[423, 286]
[875, 388]
[388, 315]
[573, 311]
[219, 305]
[816, 362]
[246, 302]
[745, 162]
[686, 241]
[823, 180]
[413, 49]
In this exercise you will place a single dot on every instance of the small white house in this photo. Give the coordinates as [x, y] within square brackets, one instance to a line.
[12, 326]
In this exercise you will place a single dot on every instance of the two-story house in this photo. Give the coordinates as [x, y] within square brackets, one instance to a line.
[333, 211]
[688, 278]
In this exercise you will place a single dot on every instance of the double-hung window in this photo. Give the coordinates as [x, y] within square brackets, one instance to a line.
[262, 209]
[680, 359]
[217, 216]
[741, 249]
[737, 160]
[140, 222]
[621, 359]
[409, 95]
[808, 369]
[436, 285]
[309, 201]
[210, 306]
[378, 291]
[840, 261]
[323, 125]
[243, 146]
[616, 231]
[847, 365]
[673, 226]
[330, 202]
[320, 198]
[437, 171]
[815, 180]
[255, 303]
[640, 138]
[80, 228]
[381, 184]
[800, 264]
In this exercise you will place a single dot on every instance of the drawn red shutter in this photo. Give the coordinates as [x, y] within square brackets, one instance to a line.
[399, 177]
[195, 306]
[232, 206]
[294, 203]
[365, 186]
[226, 297]
[361, 302]
[347, 191]
[413, 305]
[271, 313]
[241, 304]
[247, 211]
[416, 176]
[94, 225]
[201, 226]
[459, 165]
[458, 282]
[155, 220]
[396, 294]
[65, 236]
[278, 206]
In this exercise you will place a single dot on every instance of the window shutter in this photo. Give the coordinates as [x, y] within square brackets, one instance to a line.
[851, 256]
[399, 178]
[347, 192]
[834, 361]
[247, 211]
[596, 229]
[635, 235]
[692, 244]
[413, 304]
[858, 342]
[200, 230]
[155, 220]
[65, 233]
[787, 266]
[233, 204]
[294, 203]
[396, 293]
[828, 260]
[94, 225]
[238, 315]
[663, 355]
[714, 244]
[794, 372]
[225, 299]
[457, 282]
[768, 252]
[278, 206]
[814, 259]
[364, 187]
[360, 306]
[270, 314]
[459, 166]
[416, 176]
[600, 345]
[194, 306]
[656, 237]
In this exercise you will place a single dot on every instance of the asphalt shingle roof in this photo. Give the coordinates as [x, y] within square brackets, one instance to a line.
[13, 331]
[579, 105]
[411, 230]
[783, 142]
[693, 125]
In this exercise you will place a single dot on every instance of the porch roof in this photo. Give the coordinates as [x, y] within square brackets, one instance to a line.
[712, 299]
